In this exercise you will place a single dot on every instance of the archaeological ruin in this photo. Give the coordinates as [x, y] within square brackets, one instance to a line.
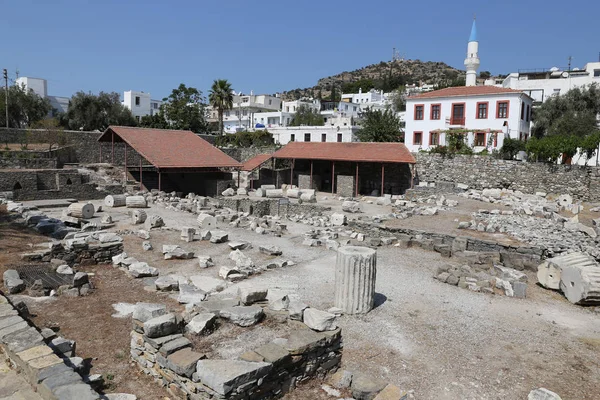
[150, 264]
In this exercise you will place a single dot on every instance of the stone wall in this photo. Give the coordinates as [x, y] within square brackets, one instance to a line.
[262, 206]
[268, 372]
[479, 172]
[345, 186]
[51, 184]
[244, 154]
[79, 251]
[40, 364]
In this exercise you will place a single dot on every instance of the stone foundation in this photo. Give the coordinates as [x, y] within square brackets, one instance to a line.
[267, 372]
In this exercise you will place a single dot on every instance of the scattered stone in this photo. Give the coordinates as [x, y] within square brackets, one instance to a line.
[391, 392]
[279, 303]
[296, 309]
[219, 236]
[207, 221]
[239, 245]
[138, 216]
[542, 394]
[155, 221]
[250, 296]
[201, 323]
[366, 388]
[187, 234]
[243, 315]
[142, 270]
[338, 219]
[80, 279]
[106, 219]
[228, 192]
[205, 262]
[341, 379]
[179, 254]
[64, 270]
[37, 289]
[143, 234]
[167, 283]
[146, 245]
[189, 294]
[319, 320]
[270, 250]
[331, 391]
[242, 192]
[13, 282]
[351, 206]
[208, 284]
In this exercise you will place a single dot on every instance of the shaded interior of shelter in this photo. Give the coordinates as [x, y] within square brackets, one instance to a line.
[336, 177]
[203, 183]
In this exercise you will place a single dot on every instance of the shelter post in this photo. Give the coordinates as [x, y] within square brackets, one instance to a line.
[311, 174]
[141, 182]
[100, 145]
[125, 164]
[112, 160]
[292, 172]
[382, 177]
[159, 176]
[332, 177]
[356, 181]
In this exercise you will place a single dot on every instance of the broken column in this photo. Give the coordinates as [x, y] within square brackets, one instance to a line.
[115, 200]
[581, 285]
[355, 271]
[135, 202]
[81, 210]
[138, 217]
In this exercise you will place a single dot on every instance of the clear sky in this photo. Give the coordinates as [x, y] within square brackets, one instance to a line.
[269, 46]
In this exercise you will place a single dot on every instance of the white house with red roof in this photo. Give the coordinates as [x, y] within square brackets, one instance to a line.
[487, 114]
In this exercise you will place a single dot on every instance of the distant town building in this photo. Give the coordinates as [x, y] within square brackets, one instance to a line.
[488, 113]
[541, 84]
[284, 135]
[140, 103]
[485, 114]
[242, 115]
[40, 87]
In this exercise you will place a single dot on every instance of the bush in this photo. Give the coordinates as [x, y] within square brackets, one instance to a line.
[246, 139]
[511, 147]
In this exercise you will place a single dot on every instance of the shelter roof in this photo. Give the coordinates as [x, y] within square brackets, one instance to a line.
[354, 151]
[256, 161]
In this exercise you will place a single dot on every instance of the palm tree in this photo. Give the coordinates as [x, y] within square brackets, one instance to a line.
[221, 98]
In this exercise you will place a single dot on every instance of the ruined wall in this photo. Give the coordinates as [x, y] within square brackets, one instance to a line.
[187, 375]
[244, 154]
[481, 172]
[51, 184]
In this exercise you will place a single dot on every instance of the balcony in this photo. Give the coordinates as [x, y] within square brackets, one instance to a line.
[457, 121]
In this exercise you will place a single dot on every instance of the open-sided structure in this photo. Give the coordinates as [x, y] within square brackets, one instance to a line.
[170, 160]
[348, 168]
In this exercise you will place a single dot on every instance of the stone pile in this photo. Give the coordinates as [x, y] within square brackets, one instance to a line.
[79, 249]
[52, 369]
[160, 349]
[495, 279]
[135, 268]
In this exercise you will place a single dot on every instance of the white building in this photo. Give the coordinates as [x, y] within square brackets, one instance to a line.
[372, 96]
[284, 135]
[486, 114]
[140, 103]
[245, 107]
[40, 87]
[542, 84]
[489, 114]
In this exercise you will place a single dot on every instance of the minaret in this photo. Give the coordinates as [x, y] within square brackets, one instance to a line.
[472, 60]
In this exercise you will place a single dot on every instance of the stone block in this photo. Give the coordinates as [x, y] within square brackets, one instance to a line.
[146, 311]
[391, 392]
[224, 376]
[250, 295]
[201, 323]
[174, 345]
[303, 341]
[273, 353]
[366, 388]
[183, 362]
[243, 315]
[161, 326]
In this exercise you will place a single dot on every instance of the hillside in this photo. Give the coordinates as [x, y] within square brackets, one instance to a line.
[385, 76]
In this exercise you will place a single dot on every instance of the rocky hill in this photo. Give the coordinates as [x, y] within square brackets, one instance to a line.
[385, 76]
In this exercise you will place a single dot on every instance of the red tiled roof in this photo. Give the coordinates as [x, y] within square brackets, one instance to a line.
[256, 162]
[355, 151]
[166, 148]
[464, 91]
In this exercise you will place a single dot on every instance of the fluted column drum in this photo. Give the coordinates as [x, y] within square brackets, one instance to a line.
[355, 272]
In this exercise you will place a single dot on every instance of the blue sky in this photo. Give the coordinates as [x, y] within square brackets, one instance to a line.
[269, 46]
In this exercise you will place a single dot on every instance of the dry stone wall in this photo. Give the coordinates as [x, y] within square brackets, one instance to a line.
[480, 172]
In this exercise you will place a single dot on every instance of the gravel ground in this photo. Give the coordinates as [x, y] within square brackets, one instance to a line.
[440, 341]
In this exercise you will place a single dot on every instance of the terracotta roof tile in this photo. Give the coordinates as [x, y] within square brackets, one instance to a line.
[256, 161]
[355, 151]
[464, 91]
[166, 148]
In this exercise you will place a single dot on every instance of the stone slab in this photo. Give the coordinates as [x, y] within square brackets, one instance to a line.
[304, 341]
[223, 376]
[183, 362]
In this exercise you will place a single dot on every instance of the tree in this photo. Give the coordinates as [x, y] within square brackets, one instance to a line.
[185, 108]
[485, 74]
[380, 126]
[511, 147]
[25, 107]
[573, 113]
[221, 98]
[156, 121]
[89, 112]
[306, 115]
[398, 100]
[51, 132]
